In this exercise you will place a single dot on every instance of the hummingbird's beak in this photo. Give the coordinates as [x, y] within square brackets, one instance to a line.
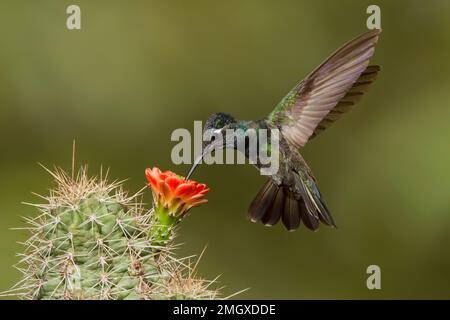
[215, 145]
[194, 166]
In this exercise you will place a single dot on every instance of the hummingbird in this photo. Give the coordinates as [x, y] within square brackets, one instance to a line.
[316, 102]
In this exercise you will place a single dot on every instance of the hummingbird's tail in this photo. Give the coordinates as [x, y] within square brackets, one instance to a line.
[274, 202]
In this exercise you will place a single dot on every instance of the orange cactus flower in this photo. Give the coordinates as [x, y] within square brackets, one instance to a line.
[173, 194]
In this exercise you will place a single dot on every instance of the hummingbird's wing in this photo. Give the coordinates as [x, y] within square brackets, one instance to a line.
[327, 92]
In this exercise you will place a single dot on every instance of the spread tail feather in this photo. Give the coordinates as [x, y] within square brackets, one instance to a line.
[314, 203]
[274, 202]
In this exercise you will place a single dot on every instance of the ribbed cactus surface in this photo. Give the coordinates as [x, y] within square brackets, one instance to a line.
[91, 241]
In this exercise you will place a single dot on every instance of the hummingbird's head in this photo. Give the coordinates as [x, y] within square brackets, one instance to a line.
[218, 121]
[215, 125]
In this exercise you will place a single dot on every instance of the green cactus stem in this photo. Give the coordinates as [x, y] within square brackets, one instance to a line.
[92, 241]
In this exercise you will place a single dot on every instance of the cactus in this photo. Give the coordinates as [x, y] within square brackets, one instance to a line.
[92, 241]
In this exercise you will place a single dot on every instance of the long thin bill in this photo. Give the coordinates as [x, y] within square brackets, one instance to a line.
[216, 145]
[194, 166]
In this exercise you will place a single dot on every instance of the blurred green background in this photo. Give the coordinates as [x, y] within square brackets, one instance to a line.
[139, 69]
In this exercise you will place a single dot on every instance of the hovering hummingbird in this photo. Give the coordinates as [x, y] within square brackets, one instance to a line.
[309, 108]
